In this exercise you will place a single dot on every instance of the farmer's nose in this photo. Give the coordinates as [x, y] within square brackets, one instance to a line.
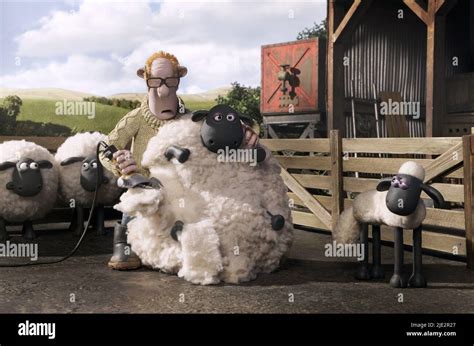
[163, 91]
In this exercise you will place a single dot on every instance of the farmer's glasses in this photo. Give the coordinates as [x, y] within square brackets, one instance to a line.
[156, 82]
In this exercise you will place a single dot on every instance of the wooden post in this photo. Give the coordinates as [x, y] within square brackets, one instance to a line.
[468, 155]
[336, 176]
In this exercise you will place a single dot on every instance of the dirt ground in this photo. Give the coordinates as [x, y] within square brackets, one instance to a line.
[308, 282]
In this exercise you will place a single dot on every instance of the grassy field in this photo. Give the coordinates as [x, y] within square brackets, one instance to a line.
[44, 112]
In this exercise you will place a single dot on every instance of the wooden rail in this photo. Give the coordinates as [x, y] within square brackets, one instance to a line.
[330, 176]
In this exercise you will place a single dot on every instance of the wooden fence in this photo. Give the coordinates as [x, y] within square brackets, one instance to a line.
[324, 174]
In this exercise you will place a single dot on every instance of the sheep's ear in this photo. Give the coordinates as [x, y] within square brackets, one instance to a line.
[182, 71]
[384, 184]
[141, 72]
[45, 164]
[435, 195]
[247, 120]
[71, 160]
[7, 164]
[199, 115]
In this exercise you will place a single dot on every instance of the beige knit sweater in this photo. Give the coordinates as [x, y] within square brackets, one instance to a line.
[134, 131]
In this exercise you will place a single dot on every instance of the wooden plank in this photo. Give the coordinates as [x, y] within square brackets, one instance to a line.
[345, 21]
[314, 181]
[433, 241]
[50, 143]
[308, 220]
[305, 162]
[319, 145]
[378, 165]
[310, 202]
[421, 13]
[336, 176]
[427, 146]
[469, 198]
[444, 162]
[450, 192]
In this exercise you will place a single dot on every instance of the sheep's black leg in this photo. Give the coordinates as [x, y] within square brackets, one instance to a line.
[363, 272]
[397, 280]
[181, 154]
[377, 271]
[417, 280]
[79, 223]
[28, 231]
[177, 227]
[73, 224]
[3, 230]
[99, 220]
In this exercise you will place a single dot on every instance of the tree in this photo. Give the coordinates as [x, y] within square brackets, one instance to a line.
[8, 113]
[317, 30]
[245, 100]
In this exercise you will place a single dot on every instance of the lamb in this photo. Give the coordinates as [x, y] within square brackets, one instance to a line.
[78, 170]
[31, 177]
[211, 221]
[396, 202]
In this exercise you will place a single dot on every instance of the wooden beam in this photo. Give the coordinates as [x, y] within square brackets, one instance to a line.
[416, 9]
[336, 176]
[346, 19]
[335, 71]
[444, 162]
[309, 201]
[468, 142]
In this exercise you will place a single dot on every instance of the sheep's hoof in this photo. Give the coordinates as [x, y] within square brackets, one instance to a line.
[398, 281]
[377, 272]
[363, 273]
[417, 281]
[181, 154]
[177, 227]
[28, 231]
[278, 222]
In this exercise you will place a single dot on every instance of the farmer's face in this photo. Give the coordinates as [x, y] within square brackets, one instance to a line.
[163, 100]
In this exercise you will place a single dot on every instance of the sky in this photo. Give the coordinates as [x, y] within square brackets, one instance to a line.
[97, 46]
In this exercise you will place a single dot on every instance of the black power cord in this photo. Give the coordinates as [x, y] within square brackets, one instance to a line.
[108, 152]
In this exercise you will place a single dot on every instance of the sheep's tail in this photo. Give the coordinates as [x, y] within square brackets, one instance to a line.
[347, 228]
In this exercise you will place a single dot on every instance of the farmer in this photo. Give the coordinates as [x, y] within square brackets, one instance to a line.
[162, 73]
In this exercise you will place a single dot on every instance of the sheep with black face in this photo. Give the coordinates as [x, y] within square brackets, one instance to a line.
[31, 182]
[78, 173]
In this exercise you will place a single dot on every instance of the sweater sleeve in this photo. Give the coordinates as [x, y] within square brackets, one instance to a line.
[121, 136]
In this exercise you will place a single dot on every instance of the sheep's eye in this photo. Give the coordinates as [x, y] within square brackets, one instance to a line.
[94, 164]
[85, 165]
[23, 166]
[34, 165]
[218, 117]
[394, 178]
[230, 117]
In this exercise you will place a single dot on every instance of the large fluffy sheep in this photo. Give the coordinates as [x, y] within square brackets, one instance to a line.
[29, 177]
[77, 159]
[224, 230]
[396, 202]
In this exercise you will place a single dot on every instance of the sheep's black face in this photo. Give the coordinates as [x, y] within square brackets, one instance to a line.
[403, 194]
[89, 173]
[222, 128]
[27, 180]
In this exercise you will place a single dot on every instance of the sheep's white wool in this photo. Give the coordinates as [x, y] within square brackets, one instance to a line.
[370, 207]
[227, 233]
[414, 169]
[15, 208]
[83, 144]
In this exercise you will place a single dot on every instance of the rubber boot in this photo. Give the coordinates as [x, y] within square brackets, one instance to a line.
[123, 257]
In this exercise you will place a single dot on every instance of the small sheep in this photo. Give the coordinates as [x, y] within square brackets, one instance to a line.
[396, 202]
[212, 221]
[78, 169]
[30, 175]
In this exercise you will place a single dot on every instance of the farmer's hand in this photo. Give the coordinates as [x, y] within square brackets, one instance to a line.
[250, 137]
[125, 161]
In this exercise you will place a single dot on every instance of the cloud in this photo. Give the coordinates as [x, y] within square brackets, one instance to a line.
[101, 44]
